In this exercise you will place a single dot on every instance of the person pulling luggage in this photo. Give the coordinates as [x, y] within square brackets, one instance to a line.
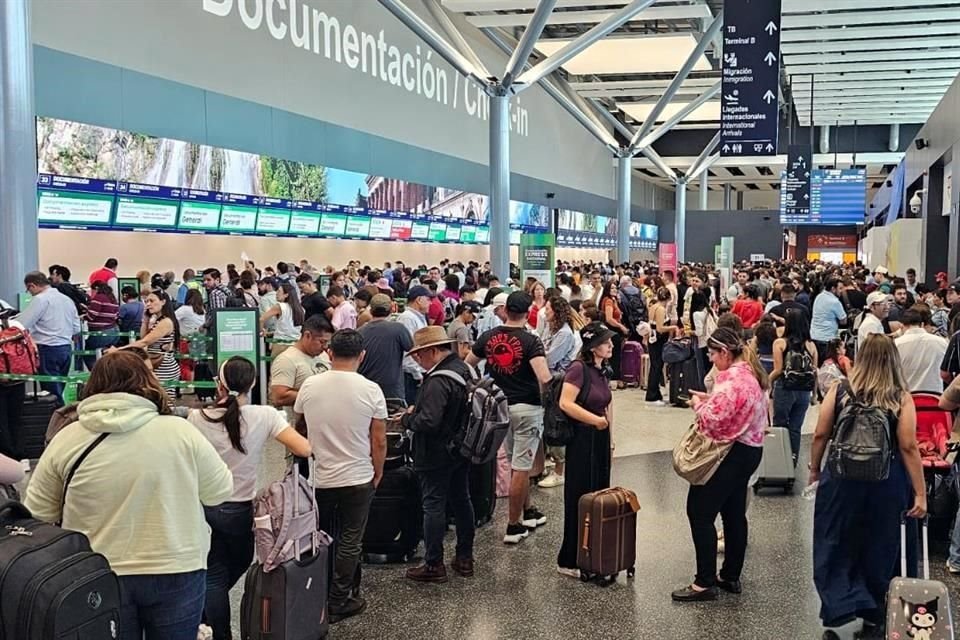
[435, 418]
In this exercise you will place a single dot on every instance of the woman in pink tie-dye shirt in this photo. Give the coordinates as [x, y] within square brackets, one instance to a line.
[735, 412]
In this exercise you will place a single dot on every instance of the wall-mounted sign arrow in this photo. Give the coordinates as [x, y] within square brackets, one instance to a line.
[769, 96]
[770, 59]
[771, 28]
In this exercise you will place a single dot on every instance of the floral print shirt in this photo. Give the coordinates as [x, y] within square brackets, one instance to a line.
[737, 408]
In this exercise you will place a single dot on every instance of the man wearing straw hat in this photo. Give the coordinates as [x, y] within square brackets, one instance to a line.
[439, 412]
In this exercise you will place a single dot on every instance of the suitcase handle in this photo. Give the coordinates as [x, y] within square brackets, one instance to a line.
[903, 547]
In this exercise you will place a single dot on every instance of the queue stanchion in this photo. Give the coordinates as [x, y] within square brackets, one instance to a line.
[264, 392]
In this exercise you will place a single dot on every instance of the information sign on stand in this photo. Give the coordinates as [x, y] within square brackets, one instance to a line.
[668, 258]
[536, 257]
[126, 282]
[726, 263]
[749, 121]
[795, 189]
[237, 333]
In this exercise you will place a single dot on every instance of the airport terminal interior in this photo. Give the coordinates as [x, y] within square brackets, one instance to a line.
[742, 217]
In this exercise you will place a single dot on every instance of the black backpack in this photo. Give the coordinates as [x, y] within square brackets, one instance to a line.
[52, 585]
[862, 446]
[558, 429]
[799, 374]
[635, 308]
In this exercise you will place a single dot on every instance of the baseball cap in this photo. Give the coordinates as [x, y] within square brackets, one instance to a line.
[519, 302]
[955, 287]
[881, 270]
[381, 301]
[499, 300]
[876, 298]
[595, 334]
[416, 292]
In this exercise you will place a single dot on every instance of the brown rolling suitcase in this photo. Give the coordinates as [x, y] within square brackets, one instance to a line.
[608, 535]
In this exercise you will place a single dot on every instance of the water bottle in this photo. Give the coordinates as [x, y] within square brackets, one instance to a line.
[810, 491]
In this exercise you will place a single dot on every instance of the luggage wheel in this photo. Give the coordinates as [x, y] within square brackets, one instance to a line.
[631, 572]
[585, 577]
[606, 581]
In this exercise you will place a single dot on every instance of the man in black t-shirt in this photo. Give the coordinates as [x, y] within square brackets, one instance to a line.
[788, 294]
[314, 303]
[516, 361]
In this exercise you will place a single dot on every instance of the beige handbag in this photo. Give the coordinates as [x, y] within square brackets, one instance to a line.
[697, 457]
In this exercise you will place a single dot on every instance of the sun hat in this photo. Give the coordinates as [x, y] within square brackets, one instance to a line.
[429, 337]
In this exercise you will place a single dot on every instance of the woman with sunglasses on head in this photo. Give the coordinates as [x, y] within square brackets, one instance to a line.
[588, 454]
[735, 412]
[160, 336]
[239, 431]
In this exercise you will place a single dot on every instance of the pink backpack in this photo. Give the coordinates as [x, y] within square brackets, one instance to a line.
[286, 521]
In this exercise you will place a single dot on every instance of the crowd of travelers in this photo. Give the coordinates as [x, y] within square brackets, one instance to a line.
[167, 497]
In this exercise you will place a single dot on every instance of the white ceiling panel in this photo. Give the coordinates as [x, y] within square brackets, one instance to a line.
[626, 55]
[464, 6]
[655, 13]
[873, 56]
[892, 87]
[877, 31]
[873, 16]
[811, 6]
[709, 112]
[892, 44]
[948, 64]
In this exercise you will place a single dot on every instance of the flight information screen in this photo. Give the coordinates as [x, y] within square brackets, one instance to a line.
[837, 197]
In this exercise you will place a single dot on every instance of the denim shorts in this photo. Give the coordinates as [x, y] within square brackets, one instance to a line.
[523, 437]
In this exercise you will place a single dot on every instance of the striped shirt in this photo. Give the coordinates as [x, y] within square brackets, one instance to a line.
[102, 313]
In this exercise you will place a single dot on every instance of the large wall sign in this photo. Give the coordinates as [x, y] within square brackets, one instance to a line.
[348, 63]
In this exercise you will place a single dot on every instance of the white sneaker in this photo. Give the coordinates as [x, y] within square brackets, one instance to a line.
[656, 403]
[570, 573]
[204, 633]
[515, 533]
[952, 569]
[551, 481]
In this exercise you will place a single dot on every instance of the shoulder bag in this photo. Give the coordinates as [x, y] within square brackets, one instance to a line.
[697, 456]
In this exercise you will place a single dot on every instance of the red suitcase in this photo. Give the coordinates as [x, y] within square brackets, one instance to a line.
[607, 540]
[630, 370]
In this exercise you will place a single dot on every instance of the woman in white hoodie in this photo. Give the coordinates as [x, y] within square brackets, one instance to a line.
[138, 496]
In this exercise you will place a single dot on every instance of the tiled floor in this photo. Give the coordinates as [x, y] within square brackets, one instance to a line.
[517, 593]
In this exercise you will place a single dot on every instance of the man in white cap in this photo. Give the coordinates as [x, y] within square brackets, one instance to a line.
[493, 315]
[878, 307]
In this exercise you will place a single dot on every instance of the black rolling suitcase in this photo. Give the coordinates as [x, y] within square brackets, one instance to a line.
[288, 603]
[483, 491]
[395, 524]
[38, 408]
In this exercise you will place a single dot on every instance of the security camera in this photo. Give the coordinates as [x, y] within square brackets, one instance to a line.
[916, 202]
[550, 195]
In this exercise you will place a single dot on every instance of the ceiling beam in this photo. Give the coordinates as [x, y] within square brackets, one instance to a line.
[533, 29]
[893, 87]
[872, 56]
[810, 6]
[951, 64]
[873, 16]
[877, 31]
[653, 14]
[775, 163]
[864, 121]
[884, 75]
[572, 49]
[893, 44]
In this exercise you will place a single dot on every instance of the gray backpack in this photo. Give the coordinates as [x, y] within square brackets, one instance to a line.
[286, 521]
[488, 418]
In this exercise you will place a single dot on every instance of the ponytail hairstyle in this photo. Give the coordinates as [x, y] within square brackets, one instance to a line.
[730, 340]
[237, 376]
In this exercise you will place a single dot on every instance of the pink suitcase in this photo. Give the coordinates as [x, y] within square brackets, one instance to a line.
[630, 369]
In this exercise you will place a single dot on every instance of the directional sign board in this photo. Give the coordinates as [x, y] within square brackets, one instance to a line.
[795, 186]
[751, 78]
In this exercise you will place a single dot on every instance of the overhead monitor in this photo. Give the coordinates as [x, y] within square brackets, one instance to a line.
[305, 218]
[837, 197]
[146, 206]
[239, 213]
[273, 216]
[200, 210]
[75, 201]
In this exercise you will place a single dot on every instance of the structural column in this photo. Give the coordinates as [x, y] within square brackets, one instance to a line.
[935, 239]
[18, 150]
[680, 220]
[624, 196]
[704, 191]
[953, 251]
[727, 197]
[500, 186]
